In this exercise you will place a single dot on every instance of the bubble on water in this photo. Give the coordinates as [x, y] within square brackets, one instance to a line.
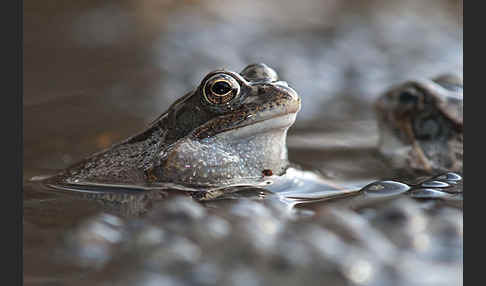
[94, 240]
[244, 277]
[206, 274]
[450, 177]
[217, 227]
[428, 194]
[105, 228]
[111, 220]
[421, 241]
[435, 184]
[185, 207]
[157, 279]
[247, 208]
[151, 236]
[360, 272]
[385, 188]
[185, 250]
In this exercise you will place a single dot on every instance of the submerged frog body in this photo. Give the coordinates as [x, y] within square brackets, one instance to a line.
[228, 130]
[421, 125]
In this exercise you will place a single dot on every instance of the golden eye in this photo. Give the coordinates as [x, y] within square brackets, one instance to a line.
[220, 89]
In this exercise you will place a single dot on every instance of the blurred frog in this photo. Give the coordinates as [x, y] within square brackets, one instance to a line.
[421, 125]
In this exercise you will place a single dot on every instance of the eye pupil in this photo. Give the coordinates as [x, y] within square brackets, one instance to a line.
[221, 88]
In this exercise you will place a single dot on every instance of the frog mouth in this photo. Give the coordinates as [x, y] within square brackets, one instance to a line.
[253, 124]
[282, 121]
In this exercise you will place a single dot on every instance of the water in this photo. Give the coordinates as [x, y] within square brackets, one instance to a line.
[96, 73]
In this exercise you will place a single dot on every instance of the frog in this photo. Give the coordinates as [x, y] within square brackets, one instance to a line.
[230, 129]
[420, 125]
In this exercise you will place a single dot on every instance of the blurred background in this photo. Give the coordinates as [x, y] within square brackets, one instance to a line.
[98, 71]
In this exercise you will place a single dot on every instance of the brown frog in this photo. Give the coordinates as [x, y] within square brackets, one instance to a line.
[228, 130]
[421, 124]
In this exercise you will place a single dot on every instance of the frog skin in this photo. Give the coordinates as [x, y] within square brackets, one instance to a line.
[228, 130]
[421, 125]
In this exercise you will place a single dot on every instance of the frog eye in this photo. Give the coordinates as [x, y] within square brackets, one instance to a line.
[407, 97]
[220, 89]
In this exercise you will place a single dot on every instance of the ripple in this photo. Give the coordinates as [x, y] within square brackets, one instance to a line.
[450, 177]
